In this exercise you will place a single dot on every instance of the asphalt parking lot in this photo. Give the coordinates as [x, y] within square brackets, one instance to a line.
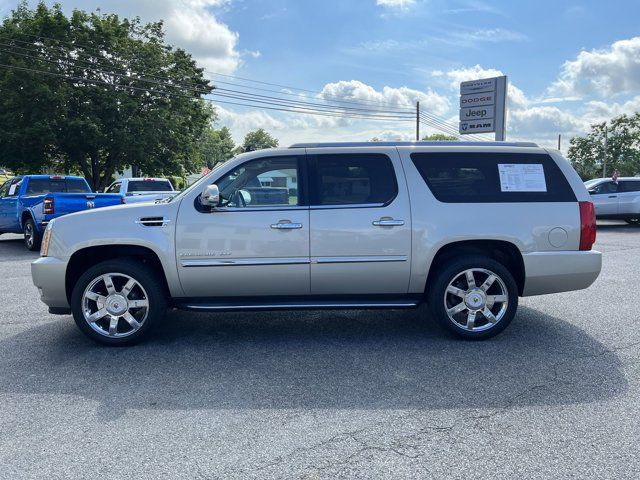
[365, 394]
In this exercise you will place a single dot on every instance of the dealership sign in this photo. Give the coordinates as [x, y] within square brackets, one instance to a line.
[483, 106]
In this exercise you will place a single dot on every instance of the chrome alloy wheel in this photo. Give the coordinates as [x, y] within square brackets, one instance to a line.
[115, 305]
[476, 299]
[29, 234]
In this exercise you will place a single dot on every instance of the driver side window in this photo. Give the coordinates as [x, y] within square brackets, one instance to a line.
[606, 187]
[261, 183]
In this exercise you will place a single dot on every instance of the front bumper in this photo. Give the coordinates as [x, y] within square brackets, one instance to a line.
[553, 272]
[48, 274]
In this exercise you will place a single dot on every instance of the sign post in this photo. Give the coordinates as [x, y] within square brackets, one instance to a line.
[483, 106]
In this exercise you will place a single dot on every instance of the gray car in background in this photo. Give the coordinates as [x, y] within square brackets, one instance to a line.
[465, 227]
[616, 199]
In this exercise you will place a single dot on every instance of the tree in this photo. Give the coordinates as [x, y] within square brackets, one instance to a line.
[439, 137]
[216, 146]
[257, 140]
[94, 93]
[623, 148]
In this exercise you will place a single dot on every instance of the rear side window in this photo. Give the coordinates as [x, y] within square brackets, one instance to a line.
[629, 186]
[493, 177]
[75, 185]
[40, 186]
[353, 179]
[149, 186]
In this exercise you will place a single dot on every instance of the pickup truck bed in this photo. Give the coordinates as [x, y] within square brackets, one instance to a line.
[26, 205]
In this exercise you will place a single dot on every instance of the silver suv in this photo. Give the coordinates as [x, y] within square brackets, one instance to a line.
[468, 227]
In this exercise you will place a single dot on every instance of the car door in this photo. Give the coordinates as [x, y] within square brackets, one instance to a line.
[257, 241]
[8, 205]
[629, 197]
[360, 222]
[605, 198]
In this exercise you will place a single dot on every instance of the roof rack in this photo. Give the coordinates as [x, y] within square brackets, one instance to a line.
[413, 144]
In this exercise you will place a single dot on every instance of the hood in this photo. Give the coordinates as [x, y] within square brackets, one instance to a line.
[144, 224]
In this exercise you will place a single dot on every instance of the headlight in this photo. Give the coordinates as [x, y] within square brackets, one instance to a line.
[44, 249]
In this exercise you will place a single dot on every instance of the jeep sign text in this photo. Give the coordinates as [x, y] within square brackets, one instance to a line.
[471, 113]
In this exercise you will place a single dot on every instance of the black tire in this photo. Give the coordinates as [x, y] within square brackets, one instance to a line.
[32, 237]
[453, 270]
[632, 221]
[145, 276]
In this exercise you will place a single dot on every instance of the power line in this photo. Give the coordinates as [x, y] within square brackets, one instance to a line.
[296, 106]
[244, 95]
[168, 95]
[306, 106]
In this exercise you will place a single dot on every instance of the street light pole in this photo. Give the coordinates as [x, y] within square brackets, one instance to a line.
[417, 121]
[604, 160]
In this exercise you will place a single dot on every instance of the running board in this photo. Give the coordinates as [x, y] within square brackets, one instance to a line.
[295, 305]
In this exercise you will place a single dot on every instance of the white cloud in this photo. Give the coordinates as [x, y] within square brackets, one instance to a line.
[387, 97]
[488, 35]
[396, 4]
[602, 72]
[597, 111]
[189, 24]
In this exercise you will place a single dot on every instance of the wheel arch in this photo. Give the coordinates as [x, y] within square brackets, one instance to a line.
[502, 251]
[84, 258]
[26, 215]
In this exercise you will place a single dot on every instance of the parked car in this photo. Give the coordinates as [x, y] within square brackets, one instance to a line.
[466, 227]
[28, 203]
[142, 189]
[616, 199]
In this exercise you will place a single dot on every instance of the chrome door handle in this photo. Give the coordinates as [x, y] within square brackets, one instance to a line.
[613, 196]
[388, 222]
[286, 226]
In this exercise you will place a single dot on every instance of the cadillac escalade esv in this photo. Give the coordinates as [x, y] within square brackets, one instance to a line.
[466, 227]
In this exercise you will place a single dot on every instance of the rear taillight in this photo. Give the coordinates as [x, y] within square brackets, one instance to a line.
[587, 225]
[48, 207]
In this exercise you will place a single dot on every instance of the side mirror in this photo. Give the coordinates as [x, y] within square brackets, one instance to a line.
[210, 196]
[592, 191]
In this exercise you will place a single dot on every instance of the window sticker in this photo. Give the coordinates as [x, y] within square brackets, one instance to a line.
[522, 177]
[12, 189]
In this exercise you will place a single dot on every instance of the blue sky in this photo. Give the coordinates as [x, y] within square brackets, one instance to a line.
[569, 63]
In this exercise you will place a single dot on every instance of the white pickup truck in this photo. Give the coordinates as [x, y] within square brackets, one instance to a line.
[138, 190]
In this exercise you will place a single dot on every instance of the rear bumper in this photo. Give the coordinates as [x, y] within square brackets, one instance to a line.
[553, 272]
[48, 275]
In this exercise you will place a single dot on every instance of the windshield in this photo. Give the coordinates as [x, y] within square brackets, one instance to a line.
[197, 184]
[149, 186]
[591, 183]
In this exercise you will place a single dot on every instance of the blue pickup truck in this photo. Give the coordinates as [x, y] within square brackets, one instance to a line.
[28, 203]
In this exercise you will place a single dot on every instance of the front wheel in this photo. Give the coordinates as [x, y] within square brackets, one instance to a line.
[31, 235]
[116, 302]
[474, 297]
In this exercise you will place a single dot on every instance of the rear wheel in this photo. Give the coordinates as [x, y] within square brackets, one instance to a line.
[473, 297]
[31, 235]
[116, 302]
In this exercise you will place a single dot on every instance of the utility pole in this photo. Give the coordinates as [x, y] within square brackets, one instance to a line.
[559, 140]
[604, 160]
[417, 121]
